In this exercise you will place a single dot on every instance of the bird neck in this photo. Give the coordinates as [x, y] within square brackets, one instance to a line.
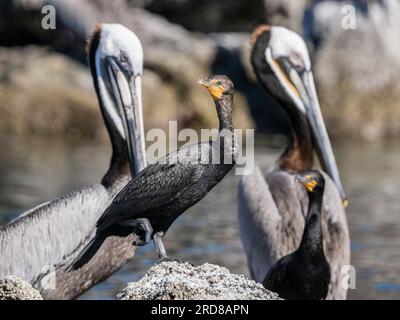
[298, 155]
[312, 240]
[229, 146]
[119, 169]
[224, 110]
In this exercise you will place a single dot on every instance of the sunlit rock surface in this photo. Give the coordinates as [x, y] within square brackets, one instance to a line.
[356, 70]
[14, 288]
[357, 64]
[173, 280]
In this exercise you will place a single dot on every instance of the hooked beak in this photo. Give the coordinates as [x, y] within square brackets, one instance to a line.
[308, 183]
[126, 88]
[304, 83]
[300, 179]
[215, 91]
[204, 82]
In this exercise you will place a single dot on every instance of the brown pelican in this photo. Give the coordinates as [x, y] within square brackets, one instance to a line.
[152, 200]
[38, 244]
[305, 273]
[272, 208]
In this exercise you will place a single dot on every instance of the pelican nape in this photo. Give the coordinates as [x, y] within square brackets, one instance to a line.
[305, 273]
[46, 238]
[159, 194]
[272, 208]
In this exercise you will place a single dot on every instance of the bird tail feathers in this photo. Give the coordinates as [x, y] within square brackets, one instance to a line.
[87, 253]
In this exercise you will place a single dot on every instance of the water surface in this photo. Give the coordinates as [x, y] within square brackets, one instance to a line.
[36, 170]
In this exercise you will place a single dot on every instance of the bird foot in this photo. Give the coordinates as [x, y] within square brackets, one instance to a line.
[142, 230]
[160, 248]
[139, 241]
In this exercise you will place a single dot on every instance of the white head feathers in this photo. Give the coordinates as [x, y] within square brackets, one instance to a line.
[114, 39]
[286, 43]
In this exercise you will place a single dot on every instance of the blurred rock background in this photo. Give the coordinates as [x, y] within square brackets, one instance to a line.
[45, 85]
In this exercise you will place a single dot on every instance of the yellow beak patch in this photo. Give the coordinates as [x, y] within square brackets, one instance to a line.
[310, 185]
[215, 91]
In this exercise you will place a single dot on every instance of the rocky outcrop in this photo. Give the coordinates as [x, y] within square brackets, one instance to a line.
[173, 280]
[14, 288]
[286, 13]
[357, 69]
[43, 92]
[46, 93]
[211, 15]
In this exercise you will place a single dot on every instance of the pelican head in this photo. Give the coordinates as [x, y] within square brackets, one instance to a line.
[116, 61]
[282, 64]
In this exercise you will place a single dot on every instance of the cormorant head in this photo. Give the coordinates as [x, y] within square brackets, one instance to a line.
[116, 61]
[312, 180]
[218, 86]
[282, 64]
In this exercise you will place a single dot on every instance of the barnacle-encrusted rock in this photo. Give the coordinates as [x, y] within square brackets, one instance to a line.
[14, 288]
[173, 280]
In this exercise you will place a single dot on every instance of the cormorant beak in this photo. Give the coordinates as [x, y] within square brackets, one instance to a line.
[215, 91]
[127, 91]
[204, 82]
[307, 182]
[304, 83]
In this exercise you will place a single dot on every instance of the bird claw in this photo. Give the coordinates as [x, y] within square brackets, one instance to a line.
[142, 231]
[139, 241]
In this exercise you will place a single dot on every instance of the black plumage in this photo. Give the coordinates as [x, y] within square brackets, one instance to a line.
[160, 193]
[305, 273]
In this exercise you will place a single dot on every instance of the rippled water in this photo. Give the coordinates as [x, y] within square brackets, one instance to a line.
[35, 170]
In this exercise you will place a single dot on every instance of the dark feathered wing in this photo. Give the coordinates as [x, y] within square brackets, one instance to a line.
[87, 253]
[276, 275]
[156, 185]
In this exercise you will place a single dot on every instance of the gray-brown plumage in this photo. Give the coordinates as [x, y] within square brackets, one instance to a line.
[42, 241]
[159, 194]
[271, 207]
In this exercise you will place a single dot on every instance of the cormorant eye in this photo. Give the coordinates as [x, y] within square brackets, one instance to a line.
[219, 83]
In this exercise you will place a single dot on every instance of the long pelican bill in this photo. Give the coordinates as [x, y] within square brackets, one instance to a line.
[304, 83]
[126, 88]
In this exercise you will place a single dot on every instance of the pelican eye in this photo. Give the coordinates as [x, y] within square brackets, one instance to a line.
[297, 62]
[124, 57]
[124, 60]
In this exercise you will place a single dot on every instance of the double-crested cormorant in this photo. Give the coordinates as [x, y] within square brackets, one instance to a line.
[159, 194]
[272, 208]
[305, 273]
[43, 240]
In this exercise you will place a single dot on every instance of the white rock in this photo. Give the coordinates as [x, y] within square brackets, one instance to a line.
[172, 280]
[14, 288]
